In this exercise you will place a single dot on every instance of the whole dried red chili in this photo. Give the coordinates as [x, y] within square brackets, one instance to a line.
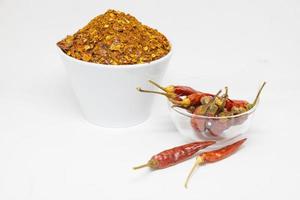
[214, 156]
[190, 100]
[198, 123]
[175, 155]
[168, 95]
[194, 96]
[242, 103]
[218, 126]
[180, 90]
[245, 107]
[238, 103]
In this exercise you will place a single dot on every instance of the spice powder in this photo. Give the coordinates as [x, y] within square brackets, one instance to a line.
[116, 38]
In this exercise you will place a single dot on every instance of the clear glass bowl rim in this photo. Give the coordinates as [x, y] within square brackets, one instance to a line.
[179, 111]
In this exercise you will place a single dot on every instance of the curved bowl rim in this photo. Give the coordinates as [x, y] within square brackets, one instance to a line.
[116, 67]
[183, 112]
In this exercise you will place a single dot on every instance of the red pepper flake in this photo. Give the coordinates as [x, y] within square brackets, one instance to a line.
[116, 38]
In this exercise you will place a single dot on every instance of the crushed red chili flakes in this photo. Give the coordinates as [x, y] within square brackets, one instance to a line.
[116, 38]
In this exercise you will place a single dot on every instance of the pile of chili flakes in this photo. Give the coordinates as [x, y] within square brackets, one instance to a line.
[116, 38]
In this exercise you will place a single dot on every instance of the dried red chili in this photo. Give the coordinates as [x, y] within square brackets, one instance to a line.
[198, 123]
[175, 155]
[190, 100]
[214, 156]
[179, 90]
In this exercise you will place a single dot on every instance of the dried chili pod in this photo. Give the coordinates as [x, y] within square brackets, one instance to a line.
[168, 95]
[175, 155]
[214, 156]
[243, 103]
[175, 89]
[217, 126]
[199, 123]
[237, 103]
[238, 110]
[190, 100]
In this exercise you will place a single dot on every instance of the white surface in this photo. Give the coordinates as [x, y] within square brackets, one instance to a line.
[100, 88]
[48, 151]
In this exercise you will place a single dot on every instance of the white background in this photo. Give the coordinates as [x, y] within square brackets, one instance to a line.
[48, 151]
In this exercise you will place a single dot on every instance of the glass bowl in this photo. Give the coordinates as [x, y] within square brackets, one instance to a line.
[221, 129]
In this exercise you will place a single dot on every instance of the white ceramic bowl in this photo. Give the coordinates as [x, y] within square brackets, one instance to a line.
[107, 93]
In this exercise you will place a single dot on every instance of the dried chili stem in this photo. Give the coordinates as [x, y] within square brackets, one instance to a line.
[226, 92]
[141, 166]
[214, 156]
[199, 161]
[157, 85]
[225, 97]
[258, 94]
[153, 92]
[216, 95]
